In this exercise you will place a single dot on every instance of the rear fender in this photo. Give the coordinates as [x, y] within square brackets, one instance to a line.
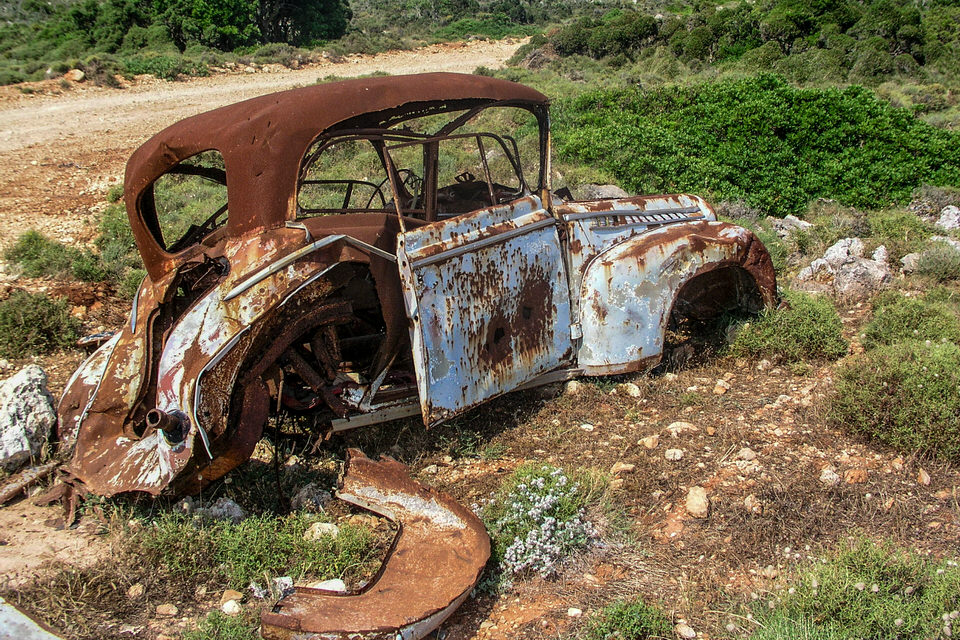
[629, 290]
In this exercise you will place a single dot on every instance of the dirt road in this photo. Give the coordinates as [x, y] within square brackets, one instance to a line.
[61, 149]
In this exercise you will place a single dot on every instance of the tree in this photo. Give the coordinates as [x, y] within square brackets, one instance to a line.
[301, 22]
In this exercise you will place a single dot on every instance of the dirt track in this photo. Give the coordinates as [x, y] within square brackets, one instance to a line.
[61, 149]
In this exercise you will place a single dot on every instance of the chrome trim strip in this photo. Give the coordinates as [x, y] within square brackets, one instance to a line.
[479, 244]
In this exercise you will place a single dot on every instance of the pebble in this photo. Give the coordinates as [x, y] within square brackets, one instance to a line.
[586, 426]
[673, 454]
[678, 427]
[573, 388]
[721, 387]
[229, 595]
[923, 477]
[630, 389]
[573, 612]
[698, 504]
[670, 377]
[167, 610]
[650, 442]
[747, 454]
[231, 608]
[136, 591]
[431, 469]
[769, 572]
[753, 504]
[829, 477]
[855, 476]
[623, 467]
[685, 631]
[334, 584]
[320, 530]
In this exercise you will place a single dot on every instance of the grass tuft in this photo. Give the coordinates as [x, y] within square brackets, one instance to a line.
[33, 324]
[628, 620]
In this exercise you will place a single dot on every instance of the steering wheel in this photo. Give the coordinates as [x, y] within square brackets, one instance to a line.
[409, 179]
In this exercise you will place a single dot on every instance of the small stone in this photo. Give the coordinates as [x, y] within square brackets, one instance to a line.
[167, 610]
[829, 477]
[711, 431]
[670, 377]
[310, 497]
[573, 612]
[721, 387]
[629, 389]
[586, 426]
[764, 365]
[623, 467]
[572, 388]
[650, 442]
[698, 504]
[229, 595]
[770, 572]
[135, 592]
[431, 469]
[747, 454]
[685, 631]
[673, 454]
[616, 483]
[335, 584]
[76, 75]
[752, 504]
[283, 585]
[486, 624]
[222, 509]
[231, 608]
[855, 476]
[923, 477]
[678, 427]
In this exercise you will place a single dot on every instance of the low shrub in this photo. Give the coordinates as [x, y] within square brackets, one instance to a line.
[537, 519]
[33, 324]
[941, 263]
[906, 395]
[897, 318]
[37, 255]
[628, 620]
[805, 327]
[901, 231]
[866, 590]
[219, 626]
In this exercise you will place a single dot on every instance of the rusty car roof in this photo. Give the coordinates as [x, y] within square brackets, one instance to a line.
[262, 140]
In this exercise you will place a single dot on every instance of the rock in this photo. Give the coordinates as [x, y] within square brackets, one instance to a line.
[764, 365]
[623, 467]
[845, 273]
[829, 477]
[953, 242]
[673, 454]
[572, 388]
[167, 610]
[76, 75]
[880, 254]
[698, 504]
[650, 442]
[752, 504]
[431, 469]
[311, 497]
[670, 376]
[747, 454]
[629, 389]
[335, 584]
[615, 484]
[283, 586]
[27, 416]
[678, 427]
[684, 631]
[949, 218]
[231, 608]
[923, 477]
[222, 509]
[136, 591]
[721, 387]
[229, 595]
[855, 476]
[598, 191]
[711, 431]
[320, 530]
[788, 224]
[586, 426]
[909, 262]
[573, 612]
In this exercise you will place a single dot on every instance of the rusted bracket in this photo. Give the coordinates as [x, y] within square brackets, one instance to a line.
[434, 563]
[24, 480]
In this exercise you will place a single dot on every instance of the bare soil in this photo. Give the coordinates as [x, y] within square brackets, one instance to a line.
[758, 448]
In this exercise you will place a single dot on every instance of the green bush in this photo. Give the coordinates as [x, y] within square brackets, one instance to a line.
[37, 255]
[33, 324]
[941, 263]
[866, 590]
[804, 328]
[219, 626]
[759, 140]
[628, 620]
[234, 555]
[906, 395]
[897, 318]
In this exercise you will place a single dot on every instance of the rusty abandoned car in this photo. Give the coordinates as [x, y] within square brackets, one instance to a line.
[374, 249]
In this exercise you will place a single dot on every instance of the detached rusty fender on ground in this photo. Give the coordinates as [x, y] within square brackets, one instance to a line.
[435, 561]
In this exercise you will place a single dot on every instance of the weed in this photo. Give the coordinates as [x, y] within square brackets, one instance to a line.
[805, 327]
[897, 318]
[217, 626]
[867, 590]
[32, 323]
[628, 620]
[901, 231]
[906, 395]
[537, 519]
[38, 255]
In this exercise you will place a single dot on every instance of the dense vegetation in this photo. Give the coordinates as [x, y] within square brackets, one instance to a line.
[760, 140]
[807, 41]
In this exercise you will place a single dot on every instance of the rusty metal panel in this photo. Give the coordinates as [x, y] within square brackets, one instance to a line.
[434, 563]
[487, 296]
[628, 291]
